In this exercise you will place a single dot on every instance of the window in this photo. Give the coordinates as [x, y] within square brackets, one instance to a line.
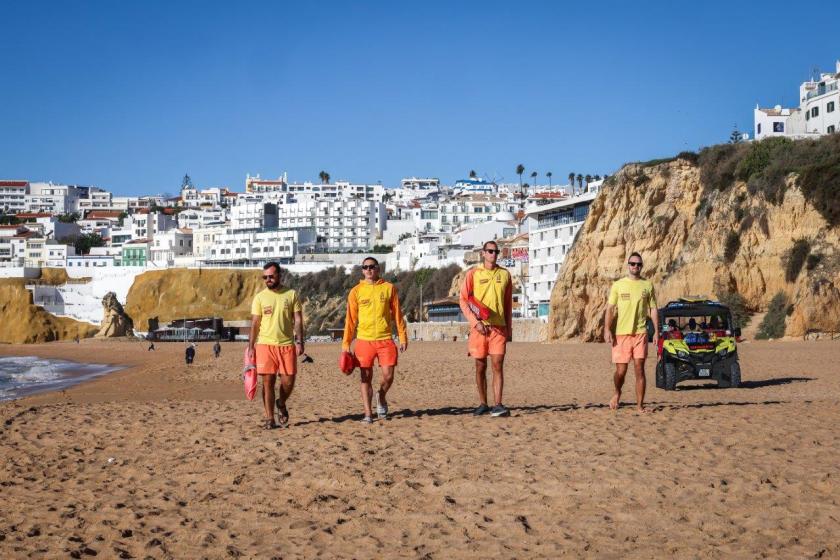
[778, 126]
[807, 115]
[830, 129]
[815, 112]
[758, 129]
[829, 108]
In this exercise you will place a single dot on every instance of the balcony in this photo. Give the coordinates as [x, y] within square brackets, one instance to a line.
[821, 90]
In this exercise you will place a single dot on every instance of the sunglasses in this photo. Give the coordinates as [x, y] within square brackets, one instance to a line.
[370, 266]
[634, 263]
[492, 251]
[269, 277]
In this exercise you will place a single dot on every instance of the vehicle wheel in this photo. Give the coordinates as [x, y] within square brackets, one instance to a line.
[735, 375]
[660, 375]
[670, 377]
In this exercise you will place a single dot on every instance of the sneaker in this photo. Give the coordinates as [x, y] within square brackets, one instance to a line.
[367, 420]
[499, 410]
[381, 410]
[482, 409]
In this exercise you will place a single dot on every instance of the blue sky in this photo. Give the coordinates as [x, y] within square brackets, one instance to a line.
[130, 96]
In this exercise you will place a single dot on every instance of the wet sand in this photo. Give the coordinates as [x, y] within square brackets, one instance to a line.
[163, 461]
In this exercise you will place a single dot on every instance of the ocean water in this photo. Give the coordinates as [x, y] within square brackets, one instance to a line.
[24, 375]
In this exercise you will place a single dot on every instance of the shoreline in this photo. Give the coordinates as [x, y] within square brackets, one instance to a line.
[67, 373]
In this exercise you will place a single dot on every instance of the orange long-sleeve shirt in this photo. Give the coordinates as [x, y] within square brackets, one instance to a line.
[372, 310]
[493, 288]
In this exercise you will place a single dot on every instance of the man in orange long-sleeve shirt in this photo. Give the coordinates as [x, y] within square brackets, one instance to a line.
[490, 286]
[372, 309]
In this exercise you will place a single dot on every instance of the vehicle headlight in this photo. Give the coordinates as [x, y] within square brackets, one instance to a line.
[682, 353]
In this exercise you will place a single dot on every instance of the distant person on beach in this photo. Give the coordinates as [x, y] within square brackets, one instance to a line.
[151, 346]
[488, 290]
[275, 342]
[373, 309]
[631, 301]
[217, 349]
[189, 355]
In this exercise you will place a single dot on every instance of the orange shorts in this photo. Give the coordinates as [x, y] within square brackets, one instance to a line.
[272, 359]
[629, 347]
[383, 350]
[493, 343]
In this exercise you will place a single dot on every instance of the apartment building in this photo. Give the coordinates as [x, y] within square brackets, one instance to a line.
[552, 229]
[13, 196]
[254, 248]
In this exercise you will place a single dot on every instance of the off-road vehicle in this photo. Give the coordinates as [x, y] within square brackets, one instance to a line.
[698, 341]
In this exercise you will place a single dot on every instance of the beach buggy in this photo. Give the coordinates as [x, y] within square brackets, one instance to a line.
[698, 342]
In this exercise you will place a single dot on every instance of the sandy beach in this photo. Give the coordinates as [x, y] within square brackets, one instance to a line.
[161, 461]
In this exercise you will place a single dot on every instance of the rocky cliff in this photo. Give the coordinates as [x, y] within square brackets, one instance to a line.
[753, 220]
[21, 322]
[165, 295]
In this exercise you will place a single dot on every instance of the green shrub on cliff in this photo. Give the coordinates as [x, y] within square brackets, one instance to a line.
[766, 165]
[773, 324]
[794, 259]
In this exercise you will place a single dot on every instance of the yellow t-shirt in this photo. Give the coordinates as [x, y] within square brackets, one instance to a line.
[633, 300]
[494, 289]
[276, 310]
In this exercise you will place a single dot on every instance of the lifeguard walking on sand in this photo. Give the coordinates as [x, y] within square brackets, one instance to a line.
[275, 341]
[632, 300]
[373, 309]
[487, 301]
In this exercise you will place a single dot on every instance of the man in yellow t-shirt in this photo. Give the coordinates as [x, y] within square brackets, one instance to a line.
[275, 341]
[633, 300]
[488, 290]
[373, 310]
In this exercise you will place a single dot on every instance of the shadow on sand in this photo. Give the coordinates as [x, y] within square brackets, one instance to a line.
[540, 408]
[750, 384]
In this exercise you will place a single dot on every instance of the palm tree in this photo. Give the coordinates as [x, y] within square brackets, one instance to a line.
[549, 174]
[580, 181]
[472, 174]
[572, 179]
[534, 177]
[520, 169]
[597, 177]
[324, 176]
[588, 179]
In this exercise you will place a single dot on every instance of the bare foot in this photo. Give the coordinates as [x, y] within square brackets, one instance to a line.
[614, 401]
[643, 410]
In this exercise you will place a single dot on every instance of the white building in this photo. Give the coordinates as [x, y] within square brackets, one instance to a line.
[57, 253]
[253, 216]
[502, 225]
[818, 112]
[55, 199]
[474, 186]
[414, 188]
[204, 238]
[169, 245]
[328, 191]
[77, 262]
[201, 217]
[253, 248]
[426, 250]
[13, 196]
[551, 231]
[459, 212]
[145, 225]
[94, 199]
